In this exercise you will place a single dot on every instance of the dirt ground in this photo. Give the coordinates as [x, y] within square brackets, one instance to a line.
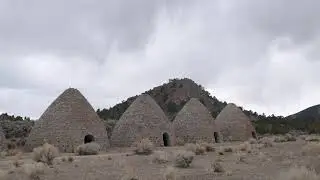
[259, 164]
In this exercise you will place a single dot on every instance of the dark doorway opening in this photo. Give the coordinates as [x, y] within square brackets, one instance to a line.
[88, 138]
[216, 137]
[254, 135]
[166, 139]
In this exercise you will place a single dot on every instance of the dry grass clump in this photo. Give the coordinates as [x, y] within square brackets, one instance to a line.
[180, 141]
[252, 141]
[11, 150]
[160, 157]
[263, 157]
[69, 159]
[11, 145]
[280, 139]
[3, 154]
[223, 150]
[196, 148]
[266, 141]
[299, 173]
[16, 162]
[34, 170]
[246, 147]
[45, 153]
[286, 138]
[217, 167]
[63, 159]
[242, 159]
[209, 147]
[144, 147]
[170, 173]
[312, 138]
[220, 151]
[228, 149]
[91, 148]
[183, 159]
[290, 137]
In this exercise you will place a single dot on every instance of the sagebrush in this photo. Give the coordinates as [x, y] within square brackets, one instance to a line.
[45, 153]
[144, 147]
[196, 148]
[184, 159]
[91, 148]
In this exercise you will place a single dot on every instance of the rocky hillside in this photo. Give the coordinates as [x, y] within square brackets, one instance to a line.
[307, 119]
[171, 97]
[309, 114]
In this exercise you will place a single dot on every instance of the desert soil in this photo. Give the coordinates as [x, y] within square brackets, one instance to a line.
[260, 164]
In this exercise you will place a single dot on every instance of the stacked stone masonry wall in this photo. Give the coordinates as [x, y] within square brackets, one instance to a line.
[66, 122]
[143, 119]
[234, 124]
[195, 123]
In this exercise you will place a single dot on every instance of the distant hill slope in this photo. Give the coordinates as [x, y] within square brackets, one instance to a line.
[171, 97]
[306, 120]
[309, 114]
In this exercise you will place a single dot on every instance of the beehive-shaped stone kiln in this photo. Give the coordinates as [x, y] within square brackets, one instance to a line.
[68, 122]
[195, 123]
[234, 125]
[144, 118]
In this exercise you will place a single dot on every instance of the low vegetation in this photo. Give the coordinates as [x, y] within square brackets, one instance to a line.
[180, 141]
[45, 153]
[217, 167]
[144, 147]
[91, 148]
[246, 146]
[266, 142]
[228, 149]
[252, 141]
[195, 148]
[209, 147]
[11, 150]
[160, 157]
[312, 138]
[184, 159]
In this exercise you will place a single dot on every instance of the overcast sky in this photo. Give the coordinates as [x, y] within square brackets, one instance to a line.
[263, 55]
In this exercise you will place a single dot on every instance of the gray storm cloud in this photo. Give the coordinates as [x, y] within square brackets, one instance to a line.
[262, 55]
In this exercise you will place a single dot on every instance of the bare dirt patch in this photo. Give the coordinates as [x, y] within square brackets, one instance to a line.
[244, 162]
